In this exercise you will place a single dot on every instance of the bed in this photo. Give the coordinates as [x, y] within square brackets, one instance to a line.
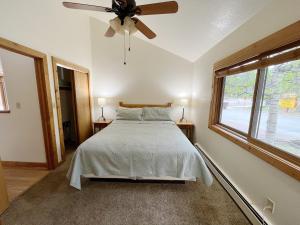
[151, 150]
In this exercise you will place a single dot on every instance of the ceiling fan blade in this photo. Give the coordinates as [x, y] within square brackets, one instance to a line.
[144, 29]
[110, 32]
[157, 8]
[72, 5]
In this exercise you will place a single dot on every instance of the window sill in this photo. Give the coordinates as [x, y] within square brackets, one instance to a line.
[5, 111]
[280, 163]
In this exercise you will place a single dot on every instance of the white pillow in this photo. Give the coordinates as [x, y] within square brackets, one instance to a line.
[129, 113]
[156, 113]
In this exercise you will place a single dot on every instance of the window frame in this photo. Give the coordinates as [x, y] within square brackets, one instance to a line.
[3, 95]
[239, 62]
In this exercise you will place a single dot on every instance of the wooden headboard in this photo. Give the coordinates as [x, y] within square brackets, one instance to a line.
[122, 104]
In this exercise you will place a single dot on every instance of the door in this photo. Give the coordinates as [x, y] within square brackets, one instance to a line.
[83, 107]
[3, 192]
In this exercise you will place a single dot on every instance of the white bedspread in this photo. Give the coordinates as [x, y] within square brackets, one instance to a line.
[138, 149]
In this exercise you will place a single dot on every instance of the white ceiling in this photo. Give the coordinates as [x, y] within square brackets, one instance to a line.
[198, 26]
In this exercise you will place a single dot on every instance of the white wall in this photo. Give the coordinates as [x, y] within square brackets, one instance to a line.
[253, 176]
[152, 75]
[50, 28]
[21, 133]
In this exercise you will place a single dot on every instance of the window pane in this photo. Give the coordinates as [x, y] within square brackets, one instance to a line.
[279, 121]
[237, 100]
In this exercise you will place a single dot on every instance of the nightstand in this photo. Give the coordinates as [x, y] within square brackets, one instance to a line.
[100, 124]
[187, 128]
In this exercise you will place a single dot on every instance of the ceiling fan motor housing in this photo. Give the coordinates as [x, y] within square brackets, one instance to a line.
[124, 8]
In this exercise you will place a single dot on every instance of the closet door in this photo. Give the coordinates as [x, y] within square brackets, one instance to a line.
[3, 192]
[83, 107]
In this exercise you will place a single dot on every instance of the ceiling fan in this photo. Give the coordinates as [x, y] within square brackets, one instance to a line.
[126, 10]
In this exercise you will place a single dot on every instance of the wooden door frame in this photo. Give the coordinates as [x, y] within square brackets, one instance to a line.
[44, 95]
[71, 66]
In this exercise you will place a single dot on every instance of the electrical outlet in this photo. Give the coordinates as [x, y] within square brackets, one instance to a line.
[269, 206]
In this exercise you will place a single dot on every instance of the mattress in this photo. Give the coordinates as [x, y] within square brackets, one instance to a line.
[138, 149]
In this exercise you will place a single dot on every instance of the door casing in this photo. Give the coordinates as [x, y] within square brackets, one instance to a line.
[45, 102]
[71, 66]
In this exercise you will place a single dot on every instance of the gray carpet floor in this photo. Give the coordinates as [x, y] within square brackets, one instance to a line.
[53, 201]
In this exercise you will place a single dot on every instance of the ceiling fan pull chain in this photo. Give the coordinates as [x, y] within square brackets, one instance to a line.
[125, 51]
[129, 42]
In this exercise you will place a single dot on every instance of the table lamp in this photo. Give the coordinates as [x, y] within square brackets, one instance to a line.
[102, 103]
[183, 102]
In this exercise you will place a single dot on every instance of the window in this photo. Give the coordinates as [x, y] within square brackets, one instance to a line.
[278, 119]
[237, 100]
[256, 100]
[3, 98]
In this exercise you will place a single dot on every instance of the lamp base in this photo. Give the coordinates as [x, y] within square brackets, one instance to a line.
[182, 120]
[101, 118]
[182, 117]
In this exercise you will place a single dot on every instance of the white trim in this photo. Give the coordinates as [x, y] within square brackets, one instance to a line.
[250, 215]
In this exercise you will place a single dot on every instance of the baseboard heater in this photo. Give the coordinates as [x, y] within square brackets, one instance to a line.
[222, 178]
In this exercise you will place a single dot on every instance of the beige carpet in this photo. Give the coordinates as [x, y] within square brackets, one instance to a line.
[52, 201]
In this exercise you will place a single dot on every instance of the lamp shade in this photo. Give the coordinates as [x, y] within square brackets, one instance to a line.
[101, 101]
[183, 102]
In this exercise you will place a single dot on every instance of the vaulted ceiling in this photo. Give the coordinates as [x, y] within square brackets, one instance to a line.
[197, 27]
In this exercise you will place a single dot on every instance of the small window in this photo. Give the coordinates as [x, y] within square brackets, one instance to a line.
[3, 97]
[237, 100]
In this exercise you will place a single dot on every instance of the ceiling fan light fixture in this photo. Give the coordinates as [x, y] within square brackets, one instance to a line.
[116, 25]
[129, 25]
